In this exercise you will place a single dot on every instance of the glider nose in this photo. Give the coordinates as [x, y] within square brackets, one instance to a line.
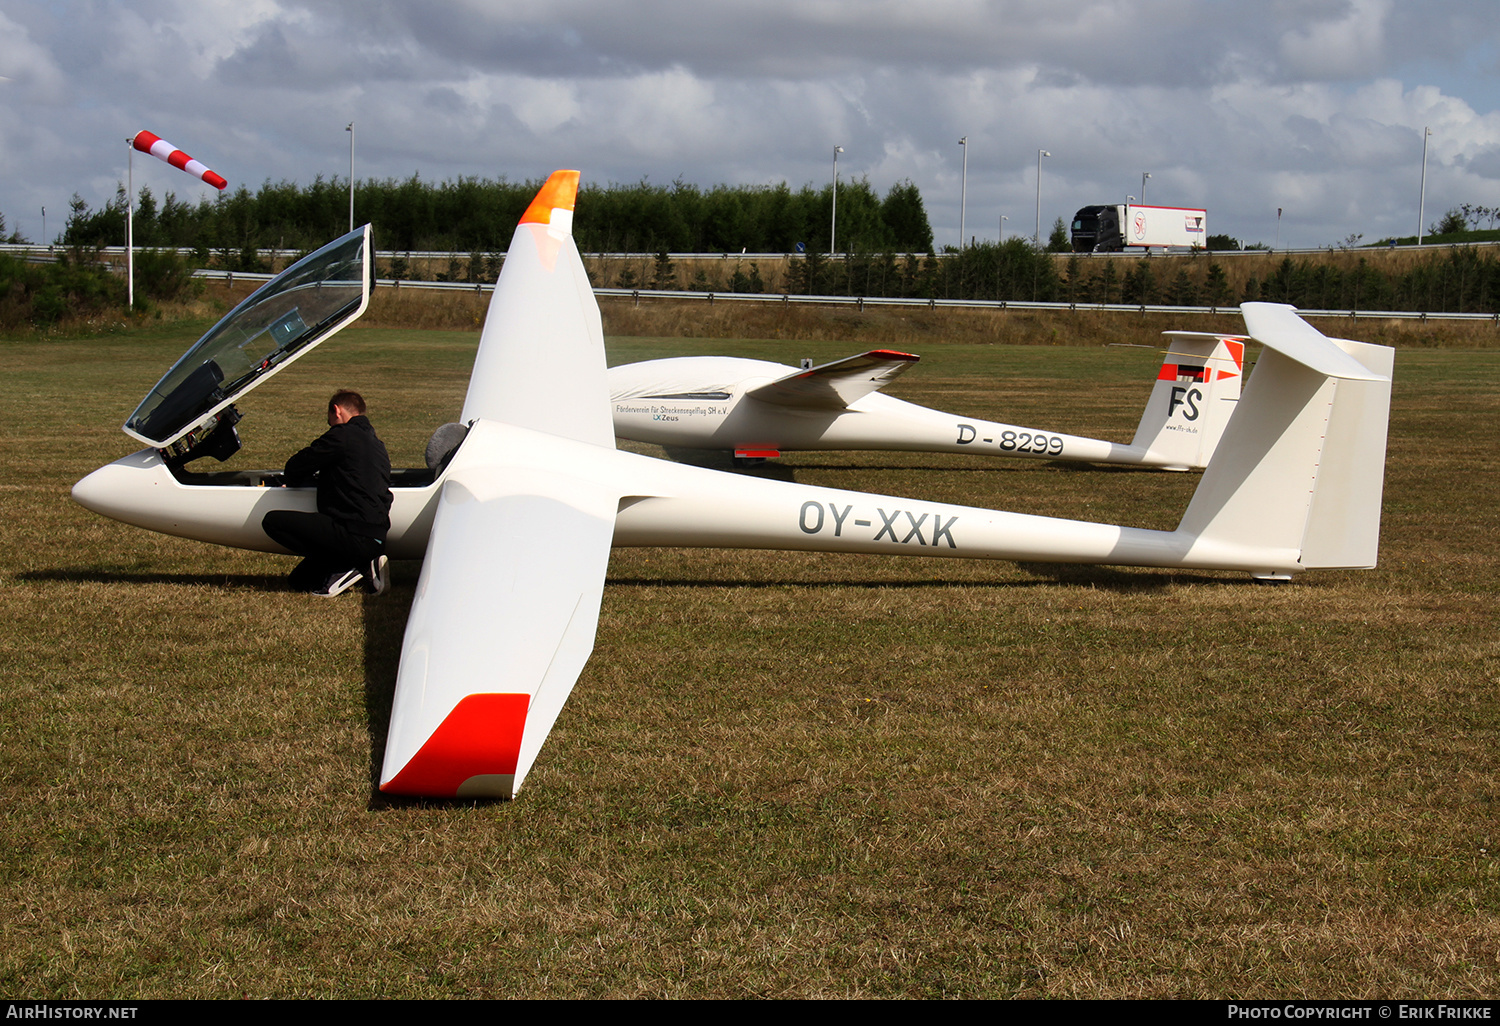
[119, 490]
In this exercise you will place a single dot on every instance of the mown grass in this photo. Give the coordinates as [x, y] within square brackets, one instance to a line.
[780, 775]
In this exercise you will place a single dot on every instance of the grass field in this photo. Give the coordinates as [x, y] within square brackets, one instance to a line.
[781, 775]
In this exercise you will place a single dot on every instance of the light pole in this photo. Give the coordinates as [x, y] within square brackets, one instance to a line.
[963, 194]
[1422, 199]
[1003, 219]
[833, 225]
[350, 129]
[1144, 175]
[1036, 240]
[44, 227]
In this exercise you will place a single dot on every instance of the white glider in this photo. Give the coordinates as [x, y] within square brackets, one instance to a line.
[758, 409]
[516, 522]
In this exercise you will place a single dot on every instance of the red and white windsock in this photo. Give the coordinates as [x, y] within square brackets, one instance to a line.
[159, 147]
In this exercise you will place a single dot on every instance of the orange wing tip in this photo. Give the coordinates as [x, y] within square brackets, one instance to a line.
[893, 354]
[472, 754]
[553, 205]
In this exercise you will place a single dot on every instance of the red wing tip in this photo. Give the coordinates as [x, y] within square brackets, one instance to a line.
[892, 354]
[472, 753]
[756, 454]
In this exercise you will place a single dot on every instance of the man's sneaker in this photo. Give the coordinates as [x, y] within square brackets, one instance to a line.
[338, 582]
[377, 576]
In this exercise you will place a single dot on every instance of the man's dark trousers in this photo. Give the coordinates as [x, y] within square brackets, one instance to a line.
[327, 546]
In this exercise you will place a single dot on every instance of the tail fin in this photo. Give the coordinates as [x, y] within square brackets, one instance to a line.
[1301, 467]
[1195, 393]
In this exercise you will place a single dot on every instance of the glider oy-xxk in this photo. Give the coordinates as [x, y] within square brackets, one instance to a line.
[517, 521]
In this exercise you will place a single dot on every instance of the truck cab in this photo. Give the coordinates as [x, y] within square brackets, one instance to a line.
[1096, 229]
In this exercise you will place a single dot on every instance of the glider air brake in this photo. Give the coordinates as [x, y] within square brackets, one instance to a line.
[521, 503]
[758, 409]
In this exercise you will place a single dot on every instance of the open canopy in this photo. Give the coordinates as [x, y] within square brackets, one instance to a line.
[283, 319]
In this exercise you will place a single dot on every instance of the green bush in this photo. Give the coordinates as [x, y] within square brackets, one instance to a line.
[43, 294]
[164, 276]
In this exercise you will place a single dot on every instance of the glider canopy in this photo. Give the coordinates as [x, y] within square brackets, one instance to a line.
[285, 318]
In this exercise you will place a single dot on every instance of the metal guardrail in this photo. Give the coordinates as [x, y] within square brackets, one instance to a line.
[860, 302]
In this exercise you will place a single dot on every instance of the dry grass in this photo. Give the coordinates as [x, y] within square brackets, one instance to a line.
[780, 775]
[877, 326]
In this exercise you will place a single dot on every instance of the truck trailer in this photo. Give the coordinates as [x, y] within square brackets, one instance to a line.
[1111, 228]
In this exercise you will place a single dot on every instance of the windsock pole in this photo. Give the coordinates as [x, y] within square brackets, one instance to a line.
[129, 226]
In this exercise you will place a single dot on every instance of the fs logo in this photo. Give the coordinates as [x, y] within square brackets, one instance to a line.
[1183, 393]
[1188, 399]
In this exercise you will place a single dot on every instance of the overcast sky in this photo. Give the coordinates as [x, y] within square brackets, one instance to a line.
[1239, 106]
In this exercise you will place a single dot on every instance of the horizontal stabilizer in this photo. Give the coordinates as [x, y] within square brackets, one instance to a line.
[1277, 326]
[833, 386]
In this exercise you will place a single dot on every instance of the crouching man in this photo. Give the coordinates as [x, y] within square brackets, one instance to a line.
[343, 543]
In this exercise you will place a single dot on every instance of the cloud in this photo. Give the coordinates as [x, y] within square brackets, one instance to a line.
[1237, 105]
[1348, 43]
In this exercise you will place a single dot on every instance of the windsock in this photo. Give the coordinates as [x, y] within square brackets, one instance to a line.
[159, 147]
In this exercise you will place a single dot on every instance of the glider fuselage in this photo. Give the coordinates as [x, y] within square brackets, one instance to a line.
[757, 408]
[661, 503]
[730, 419]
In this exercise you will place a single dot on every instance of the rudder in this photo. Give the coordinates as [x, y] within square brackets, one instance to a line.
[1192, 400]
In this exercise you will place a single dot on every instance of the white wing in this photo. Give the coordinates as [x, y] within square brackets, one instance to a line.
[506, 608]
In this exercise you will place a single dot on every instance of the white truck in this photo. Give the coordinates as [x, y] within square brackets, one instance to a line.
[1111, 228]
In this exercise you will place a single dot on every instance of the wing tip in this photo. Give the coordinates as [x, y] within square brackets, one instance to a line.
[558, 194]
[472, 754]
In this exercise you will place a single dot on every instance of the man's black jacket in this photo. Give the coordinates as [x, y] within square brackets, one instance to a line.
[353, 473]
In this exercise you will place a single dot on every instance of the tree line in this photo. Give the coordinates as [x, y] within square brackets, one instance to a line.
[681, 218]
[469, 215]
